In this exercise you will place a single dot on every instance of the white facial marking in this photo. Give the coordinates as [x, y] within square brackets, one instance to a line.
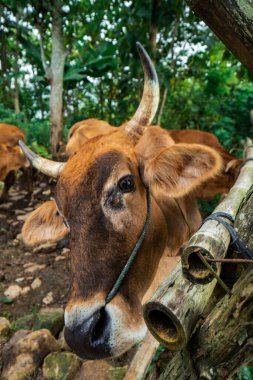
[120, 219]
[77, 314]
[123, 336]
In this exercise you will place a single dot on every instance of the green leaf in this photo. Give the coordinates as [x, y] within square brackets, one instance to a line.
[6, 300]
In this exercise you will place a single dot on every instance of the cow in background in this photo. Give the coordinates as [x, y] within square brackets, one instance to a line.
[11, 157]
[106, 193]
[221, 184]
[84, 130]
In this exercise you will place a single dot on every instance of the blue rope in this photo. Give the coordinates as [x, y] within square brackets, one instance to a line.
[132, 257]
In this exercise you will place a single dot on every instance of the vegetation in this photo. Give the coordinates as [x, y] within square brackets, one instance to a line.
[202, 85]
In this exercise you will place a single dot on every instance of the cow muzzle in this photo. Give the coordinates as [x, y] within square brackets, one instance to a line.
[97, 331]
[91, 338]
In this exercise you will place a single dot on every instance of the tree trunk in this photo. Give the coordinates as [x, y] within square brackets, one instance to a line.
[56, 78]
[16, 69]
[172, 67]
[231, 21]
[154, 27]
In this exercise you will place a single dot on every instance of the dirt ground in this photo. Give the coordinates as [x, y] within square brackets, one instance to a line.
[21, 266]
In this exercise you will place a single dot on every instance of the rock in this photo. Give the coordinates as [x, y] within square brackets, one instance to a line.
[24, 352]
[45, 248]
[20, 279]
[25, 290]
[22, 217]
[19, 236]
[48, 299]
[29, 209]
[51, 318]
[5, 330]
[5, 206]
[15, 198]
[36, 283]
[61, 366]
[93, 369]
[62, 342]
[46, 192]
[35, 267]
[15, 223]
[65, 252]
[19, 212]
[13, 291]
[23, 323]
[60, 258]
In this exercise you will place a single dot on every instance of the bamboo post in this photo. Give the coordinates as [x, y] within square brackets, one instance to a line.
[142, 358]
[212, 239]
[223, 343]
[175, 308]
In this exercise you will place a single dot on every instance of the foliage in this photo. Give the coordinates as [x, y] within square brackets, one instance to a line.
[245, 373]
[37, 131]
[206, 86]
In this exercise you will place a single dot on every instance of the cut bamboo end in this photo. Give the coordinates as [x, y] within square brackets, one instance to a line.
[164, 326]
[193, 267]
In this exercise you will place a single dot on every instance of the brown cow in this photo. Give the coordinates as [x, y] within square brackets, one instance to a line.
[102, 201]
[223, 182]
[11, 156]
[10, 134]
[86, 129]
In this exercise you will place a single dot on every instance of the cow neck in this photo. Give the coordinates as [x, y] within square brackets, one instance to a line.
[131, 259]
[184, 217]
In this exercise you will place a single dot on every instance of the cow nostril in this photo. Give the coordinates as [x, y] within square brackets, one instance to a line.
[101, 327]
[90, 339]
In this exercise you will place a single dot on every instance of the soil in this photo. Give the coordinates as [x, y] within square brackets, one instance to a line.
[16, 259]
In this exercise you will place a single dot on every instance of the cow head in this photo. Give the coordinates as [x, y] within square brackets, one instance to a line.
[12, 158]
[101, 202]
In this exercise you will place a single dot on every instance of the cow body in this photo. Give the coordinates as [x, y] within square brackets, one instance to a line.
[85, 130]
[11, 156]
[101, 202]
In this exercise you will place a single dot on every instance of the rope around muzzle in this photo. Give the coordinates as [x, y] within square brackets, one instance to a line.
[114, 290]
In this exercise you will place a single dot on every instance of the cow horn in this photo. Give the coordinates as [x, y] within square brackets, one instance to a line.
[48, 167]
[150, 98]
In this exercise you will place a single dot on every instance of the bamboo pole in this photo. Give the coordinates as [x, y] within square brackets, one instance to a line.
[175, 308]
[142, 358]
[223, 343]
[212, 239]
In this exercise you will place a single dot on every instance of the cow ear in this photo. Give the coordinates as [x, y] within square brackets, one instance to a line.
[180, 168]
[44, 225]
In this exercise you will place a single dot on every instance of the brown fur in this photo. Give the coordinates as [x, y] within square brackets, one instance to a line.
[44, 224]
[105, 222]
[231, 165]
[10, 134]
[11, 157]
[85, 130]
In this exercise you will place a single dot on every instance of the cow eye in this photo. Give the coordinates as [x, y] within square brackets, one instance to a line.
[126, 184]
